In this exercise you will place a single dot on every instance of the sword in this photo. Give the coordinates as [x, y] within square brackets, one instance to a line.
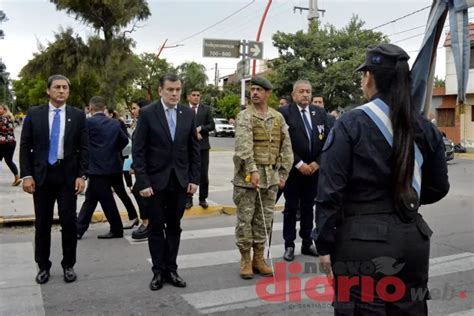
[266, 232]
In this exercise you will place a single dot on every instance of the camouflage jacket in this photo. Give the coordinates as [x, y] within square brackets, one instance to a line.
[244, 162]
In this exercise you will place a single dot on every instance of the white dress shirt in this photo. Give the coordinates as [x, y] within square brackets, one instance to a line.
[62, 127]
[308, 117]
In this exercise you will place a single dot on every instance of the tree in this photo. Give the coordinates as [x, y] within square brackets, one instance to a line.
[112, 53]
[193, 76]
[326, 57]
[3, 18]
[229, 106]
[439, 82]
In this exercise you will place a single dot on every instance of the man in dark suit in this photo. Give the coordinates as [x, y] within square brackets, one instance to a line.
[106, 141]
[53, 161]
[204, 124]
[166, 163]
[308, 127]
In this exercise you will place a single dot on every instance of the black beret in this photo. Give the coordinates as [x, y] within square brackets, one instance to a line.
[262, 82]
[382, 56]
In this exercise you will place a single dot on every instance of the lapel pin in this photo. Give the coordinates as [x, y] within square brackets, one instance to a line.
[69, 120]
[313, 113]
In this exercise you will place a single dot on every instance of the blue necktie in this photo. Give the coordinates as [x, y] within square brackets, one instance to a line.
[54, 138]
[309, 130]
[171, 123]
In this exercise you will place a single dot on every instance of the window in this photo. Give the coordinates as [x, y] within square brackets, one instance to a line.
[445, 117]
[471, 64]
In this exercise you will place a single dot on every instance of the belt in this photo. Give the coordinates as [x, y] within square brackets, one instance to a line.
[57, 163]
[368, 208]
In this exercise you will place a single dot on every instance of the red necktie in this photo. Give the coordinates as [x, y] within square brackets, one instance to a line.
[194, 109]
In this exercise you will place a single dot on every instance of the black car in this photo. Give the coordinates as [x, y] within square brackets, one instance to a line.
[449, 147]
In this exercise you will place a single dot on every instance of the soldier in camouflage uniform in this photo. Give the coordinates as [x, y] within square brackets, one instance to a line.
[262, 160]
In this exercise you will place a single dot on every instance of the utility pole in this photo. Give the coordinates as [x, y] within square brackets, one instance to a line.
[216, 75]
[313, 10]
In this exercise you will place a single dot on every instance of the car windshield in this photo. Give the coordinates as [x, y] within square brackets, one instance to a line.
[221, 121]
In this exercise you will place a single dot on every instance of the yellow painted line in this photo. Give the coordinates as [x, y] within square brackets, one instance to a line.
[469, 155]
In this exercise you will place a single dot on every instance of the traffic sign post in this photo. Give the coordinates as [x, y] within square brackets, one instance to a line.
[221, 48]
[243, 68]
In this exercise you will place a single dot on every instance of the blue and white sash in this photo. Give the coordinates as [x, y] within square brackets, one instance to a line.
[379, 112]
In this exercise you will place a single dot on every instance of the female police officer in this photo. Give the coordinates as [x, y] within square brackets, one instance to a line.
[380, 162]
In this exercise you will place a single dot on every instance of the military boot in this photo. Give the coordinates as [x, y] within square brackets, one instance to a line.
[258, 263]
[245, 264]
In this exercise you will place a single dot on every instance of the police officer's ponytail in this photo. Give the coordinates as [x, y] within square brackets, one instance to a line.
[394, 86]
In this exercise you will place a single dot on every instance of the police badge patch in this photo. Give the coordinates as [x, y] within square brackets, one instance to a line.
[329, 140]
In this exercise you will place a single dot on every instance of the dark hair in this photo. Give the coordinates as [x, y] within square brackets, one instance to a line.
[141, 102]
[394, 87]
[97, 103]
[168, 77]
[316, 95]
[194, 90]
[57, 77]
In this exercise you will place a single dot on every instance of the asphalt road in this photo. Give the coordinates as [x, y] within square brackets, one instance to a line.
[113, 275]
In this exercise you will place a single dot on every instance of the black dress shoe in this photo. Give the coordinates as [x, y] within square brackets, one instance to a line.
[289, 254]
[141, 232]
[42, 277]
[310, 251]
[157, 282]
[175, 279]
[204, 204]
[188, 205]
[69, 275]
[110, 235]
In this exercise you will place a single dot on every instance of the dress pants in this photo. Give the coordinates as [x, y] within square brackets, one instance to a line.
[204, 177]
[300, 192]
[99, 190]
[55, 188]
[165, 213]
[119, 188]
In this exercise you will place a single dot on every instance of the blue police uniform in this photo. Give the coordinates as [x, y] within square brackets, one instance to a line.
[355, 212]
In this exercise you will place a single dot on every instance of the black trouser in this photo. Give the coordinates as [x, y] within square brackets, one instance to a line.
[119, 188]
[300, 192]
[142, 205]
[128, 178]
[6, 152]
[55, 188]
[204, 177]
[99, 190]
[377, 247]
[166, 211]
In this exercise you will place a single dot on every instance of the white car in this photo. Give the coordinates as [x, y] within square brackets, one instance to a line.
[223, 128]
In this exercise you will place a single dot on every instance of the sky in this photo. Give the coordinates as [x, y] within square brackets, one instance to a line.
[31, 22]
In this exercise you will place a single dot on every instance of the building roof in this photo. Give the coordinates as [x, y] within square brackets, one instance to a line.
[447, 41]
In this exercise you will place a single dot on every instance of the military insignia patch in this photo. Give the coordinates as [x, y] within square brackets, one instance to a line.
[329, 140]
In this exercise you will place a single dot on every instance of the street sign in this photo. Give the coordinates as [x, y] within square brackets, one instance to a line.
[221, 48]
[243, 68]
[255, 50]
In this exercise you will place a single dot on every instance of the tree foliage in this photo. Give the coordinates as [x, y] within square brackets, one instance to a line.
[439, 82]
[229, 106]
[326, 57]
[193, 76]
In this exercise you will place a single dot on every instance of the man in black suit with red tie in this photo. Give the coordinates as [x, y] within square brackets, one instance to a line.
[53, 162]
[308, 127]
[204, 124]
[166, 164]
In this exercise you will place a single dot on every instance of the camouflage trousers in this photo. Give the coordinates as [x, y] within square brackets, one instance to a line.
[250, 228]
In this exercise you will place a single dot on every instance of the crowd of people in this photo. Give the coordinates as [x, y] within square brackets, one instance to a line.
[354, 183]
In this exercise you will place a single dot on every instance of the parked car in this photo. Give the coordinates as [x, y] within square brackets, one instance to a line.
[223, 128]
[449, 147]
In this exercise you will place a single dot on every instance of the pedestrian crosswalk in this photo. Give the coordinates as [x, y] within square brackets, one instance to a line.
[228, 298]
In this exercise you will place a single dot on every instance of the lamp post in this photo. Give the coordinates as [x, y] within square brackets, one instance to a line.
[4, 76]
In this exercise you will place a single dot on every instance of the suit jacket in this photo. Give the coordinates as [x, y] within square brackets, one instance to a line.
[34, 144]
[205, 120]
[299, 137]
[155, 154]
[106, 140]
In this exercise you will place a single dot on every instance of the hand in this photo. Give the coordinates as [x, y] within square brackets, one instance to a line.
[305, 169]
[146, 193]
[192, 188]
[314, 167]
[80, 185]
[325, 266]
[281, 185]
[198, 129]
[29, 185]
[131, 171]
[255, 179]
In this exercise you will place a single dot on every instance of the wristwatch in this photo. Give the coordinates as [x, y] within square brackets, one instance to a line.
[84, 177]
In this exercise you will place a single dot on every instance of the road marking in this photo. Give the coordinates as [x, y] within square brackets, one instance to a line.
[19, 294]
[205, 233]
[241, 297]
[462, 313]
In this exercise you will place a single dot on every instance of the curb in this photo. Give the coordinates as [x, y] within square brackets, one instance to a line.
[468, 155]
[99, 217]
